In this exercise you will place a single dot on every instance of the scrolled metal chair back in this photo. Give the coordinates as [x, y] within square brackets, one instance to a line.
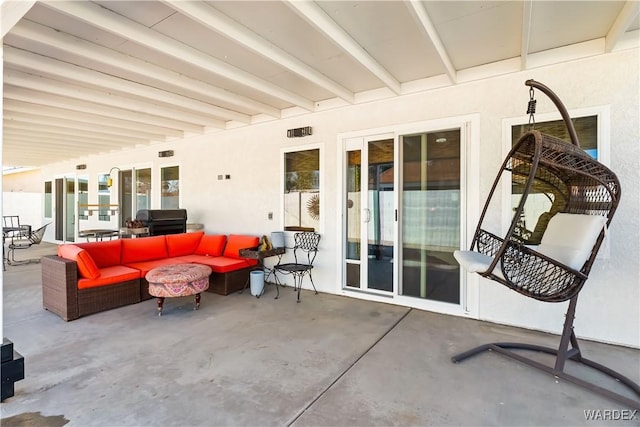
[307, 243]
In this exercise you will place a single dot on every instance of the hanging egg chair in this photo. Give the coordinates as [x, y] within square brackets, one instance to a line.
[550, 263]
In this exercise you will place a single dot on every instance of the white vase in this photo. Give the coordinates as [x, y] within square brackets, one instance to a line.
[257, 283]
[277, 239]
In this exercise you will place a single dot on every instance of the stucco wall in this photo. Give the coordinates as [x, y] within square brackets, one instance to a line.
[608, 309]
[22, 196]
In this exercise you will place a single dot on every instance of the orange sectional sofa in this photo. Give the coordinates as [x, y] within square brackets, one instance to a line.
[86, 278]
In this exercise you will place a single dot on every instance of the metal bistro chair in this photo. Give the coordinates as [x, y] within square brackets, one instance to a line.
[304, 253]
[25, 242]
[12, 229]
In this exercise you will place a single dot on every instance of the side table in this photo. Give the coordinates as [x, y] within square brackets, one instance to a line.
[254, 253]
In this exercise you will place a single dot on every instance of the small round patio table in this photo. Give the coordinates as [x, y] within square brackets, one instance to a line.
[178, 280]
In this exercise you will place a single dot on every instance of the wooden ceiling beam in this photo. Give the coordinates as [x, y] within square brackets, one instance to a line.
[87, 50]
[107, 20]
[217, 21]
[318, 19]
[76, 125]
[81, 105]
[426, 25]
[52, 68]
[57, 87]
[15, 106]
[624, 19]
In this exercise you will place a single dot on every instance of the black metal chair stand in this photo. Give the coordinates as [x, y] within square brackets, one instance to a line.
[25, 242]
[567, 350]
[305, 250]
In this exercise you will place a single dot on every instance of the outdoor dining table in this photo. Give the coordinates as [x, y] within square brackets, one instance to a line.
[97, 234]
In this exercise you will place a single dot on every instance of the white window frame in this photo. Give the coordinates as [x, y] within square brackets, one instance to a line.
[159, 186]
[321, 153]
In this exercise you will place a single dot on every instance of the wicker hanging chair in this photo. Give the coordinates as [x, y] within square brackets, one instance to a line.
[552, 262]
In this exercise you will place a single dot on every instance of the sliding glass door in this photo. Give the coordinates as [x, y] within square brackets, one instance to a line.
[402, 215]
[431, 215]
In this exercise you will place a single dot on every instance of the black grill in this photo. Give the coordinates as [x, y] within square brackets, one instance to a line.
[163, 221]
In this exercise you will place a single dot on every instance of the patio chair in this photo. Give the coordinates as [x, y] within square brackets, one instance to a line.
[11, 229]
[304, 253]
[20, 242]
[555, 267]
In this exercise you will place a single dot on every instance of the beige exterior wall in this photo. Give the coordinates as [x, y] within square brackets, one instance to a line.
[29, 181]
[608, 309]
[22, 196]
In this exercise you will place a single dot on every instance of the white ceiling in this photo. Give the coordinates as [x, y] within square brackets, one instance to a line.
[84, 78]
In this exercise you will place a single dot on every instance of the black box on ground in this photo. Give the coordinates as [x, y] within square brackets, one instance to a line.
[12, 369]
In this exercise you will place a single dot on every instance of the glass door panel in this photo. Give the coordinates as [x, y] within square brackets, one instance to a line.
[431, 215]
[70, 209]
[143, 189]
[125, 194]
[369, 215]
[353, 214]
[380, 214]
[83, 199]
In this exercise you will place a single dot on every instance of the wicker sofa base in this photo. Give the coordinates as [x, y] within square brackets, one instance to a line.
[229, 282]
[60, 293]
[94, 300]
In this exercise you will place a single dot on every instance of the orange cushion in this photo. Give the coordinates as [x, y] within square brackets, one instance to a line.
[183, 243]
[109, 276]
[145, 266]
[86, 266]
[211, 244]
[143, 249]
[222, 264]
[235, 242]
[105, 254]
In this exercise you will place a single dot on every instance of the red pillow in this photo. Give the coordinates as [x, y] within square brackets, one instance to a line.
[143, 249]
[105, 254]
[86, 266]
[184, 243]
[237, 242]
[211, 244]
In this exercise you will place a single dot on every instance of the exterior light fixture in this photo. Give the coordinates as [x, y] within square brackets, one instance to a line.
[110, 180]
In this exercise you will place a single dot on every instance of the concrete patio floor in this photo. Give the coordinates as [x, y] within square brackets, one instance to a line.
[244, 361]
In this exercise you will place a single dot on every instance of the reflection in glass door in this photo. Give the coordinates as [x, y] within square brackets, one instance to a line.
[431, 215]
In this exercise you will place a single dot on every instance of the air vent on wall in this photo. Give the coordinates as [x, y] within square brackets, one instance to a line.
[298, 132]
[80, 167]
[167, 153]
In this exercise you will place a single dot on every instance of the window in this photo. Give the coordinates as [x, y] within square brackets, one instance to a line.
[586, 129]
[302, 190]
[48, 200]
[538, 205]
[143, 189]
[170, 187]
[104, 198]
[83, 196]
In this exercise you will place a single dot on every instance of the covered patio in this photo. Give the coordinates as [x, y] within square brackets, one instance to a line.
[239, 360]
